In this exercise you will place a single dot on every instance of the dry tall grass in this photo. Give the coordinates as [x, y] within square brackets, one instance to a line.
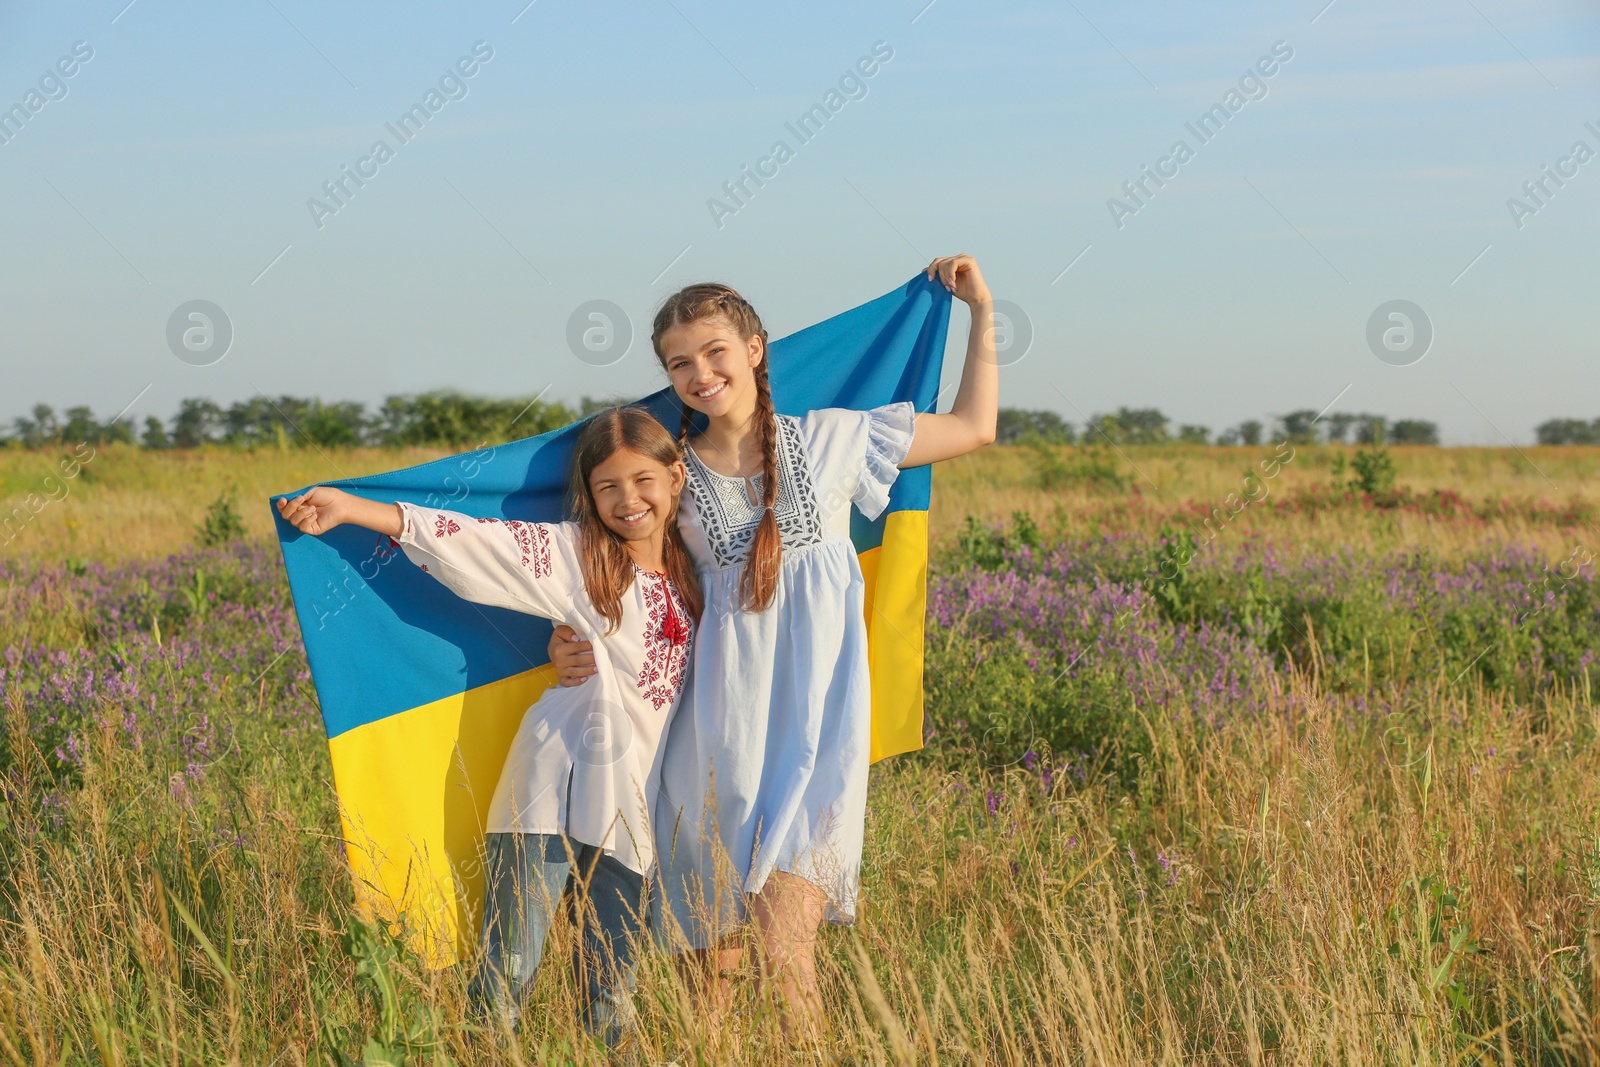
[126, 502]
[998, 481]
[130, 503]
[1300, 890]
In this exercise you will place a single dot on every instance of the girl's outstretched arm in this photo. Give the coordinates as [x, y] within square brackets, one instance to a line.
[321, 508]
[970, 422]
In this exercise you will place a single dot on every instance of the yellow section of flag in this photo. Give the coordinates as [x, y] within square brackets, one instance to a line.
[897, 603]
[414, 788]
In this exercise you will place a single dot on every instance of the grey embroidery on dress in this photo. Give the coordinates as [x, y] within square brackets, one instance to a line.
[730, 520]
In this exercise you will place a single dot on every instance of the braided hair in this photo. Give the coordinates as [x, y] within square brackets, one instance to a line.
[759, 582]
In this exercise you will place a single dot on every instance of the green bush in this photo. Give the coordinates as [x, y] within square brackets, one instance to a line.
[985, 547]
[1090, 465]
[221, 524]
[1009, 707]
[1374, 472]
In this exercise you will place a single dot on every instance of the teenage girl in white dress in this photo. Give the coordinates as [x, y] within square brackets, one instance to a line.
[764, 777]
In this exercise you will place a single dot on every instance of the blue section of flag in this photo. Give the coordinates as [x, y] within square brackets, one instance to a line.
[383, 637]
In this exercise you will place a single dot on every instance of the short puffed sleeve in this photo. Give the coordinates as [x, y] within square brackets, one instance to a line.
[889, 432]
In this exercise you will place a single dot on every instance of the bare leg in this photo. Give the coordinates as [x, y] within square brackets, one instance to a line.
[786, 915]
[704, 972]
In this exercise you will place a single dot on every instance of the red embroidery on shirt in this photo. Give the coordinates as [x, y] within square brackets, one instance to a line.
[666, 641]
[534, 541]
[443, 525]
[424, 566]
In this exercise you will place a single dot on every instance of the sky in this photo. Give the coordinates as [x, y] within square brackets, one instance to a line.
[585, 156]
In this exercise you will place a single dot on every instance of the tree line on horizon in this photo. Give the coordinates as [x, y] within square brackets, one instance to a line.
[1568, 432]
[445, 418]
[439, 418]
[1148, 426]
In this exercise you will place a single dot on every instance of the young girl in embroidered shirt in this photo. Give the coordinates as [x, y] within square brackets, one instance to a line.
[574, 796]
[765, 765]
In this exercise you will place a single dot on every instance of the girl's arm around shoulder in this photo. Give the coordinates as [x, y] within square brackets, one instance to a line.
[970, 422]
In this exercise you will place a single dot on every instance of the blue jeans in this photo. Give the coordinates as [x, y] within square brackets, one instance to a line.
[524, 880]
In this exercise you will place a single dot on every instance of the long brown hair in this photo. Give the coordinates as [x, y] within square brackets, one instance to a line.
[759, 582]
[608, 570]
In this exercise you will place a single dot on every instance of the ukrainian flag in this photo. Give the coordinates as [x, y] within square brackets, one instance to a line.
[422, 692]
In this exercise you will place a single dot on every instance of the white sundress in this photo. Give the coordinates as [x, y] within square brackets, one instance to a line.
[765, 763]
[585, 760]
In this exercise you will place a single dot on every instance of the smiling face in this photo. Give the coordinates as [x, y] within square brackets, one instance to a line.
[635, 495]
[712, 368]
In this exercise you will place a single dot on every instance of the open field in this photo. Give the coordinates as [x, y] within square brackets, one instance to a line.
[1327, 793]
[128, 503]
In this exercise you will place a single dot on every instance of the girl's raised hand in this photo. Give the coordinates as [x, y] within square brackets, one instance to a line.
[961, 276]
[317, 510]
[971, 421]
